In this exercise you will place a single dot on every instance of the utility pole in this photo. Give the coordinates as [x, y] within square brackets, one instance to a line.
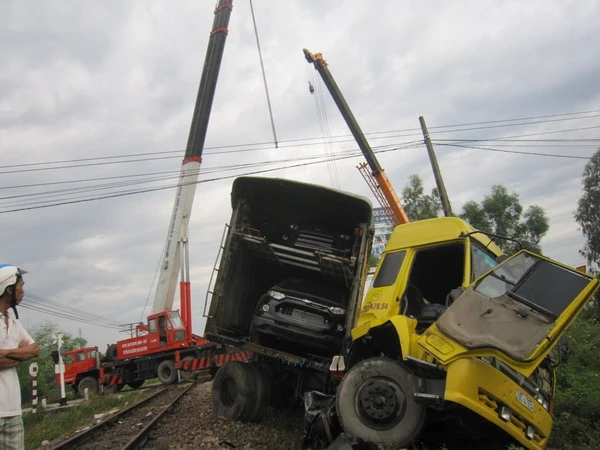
[436, 170]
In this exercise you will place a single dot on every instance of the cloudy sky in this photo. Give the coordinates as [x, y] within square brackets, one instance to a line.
[97, 98]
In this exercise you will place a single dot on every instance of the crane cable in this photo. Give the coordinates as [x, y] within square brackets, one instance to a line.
[324, 125]
[264, 75]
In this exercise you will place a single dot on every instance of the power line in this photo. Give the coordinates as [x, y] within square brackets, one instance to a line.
[46, 306]
[514, 151]
[261, 146]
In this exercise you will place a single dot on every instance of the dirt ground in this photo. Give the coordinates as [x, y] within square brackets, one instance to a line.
[196, 427]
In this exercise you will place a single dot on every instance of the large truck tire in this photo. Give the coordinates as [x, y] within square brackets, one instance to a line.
[233, 393]
[89, 383]
[262, 386]
[375, 403]
[166, 372]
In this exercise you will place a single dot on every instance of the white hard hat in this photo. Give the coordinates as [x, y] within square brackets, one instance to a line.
[8, 276]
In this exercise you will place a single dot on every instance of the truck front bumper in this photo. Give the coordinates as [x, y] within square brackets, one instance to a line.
[489, 393]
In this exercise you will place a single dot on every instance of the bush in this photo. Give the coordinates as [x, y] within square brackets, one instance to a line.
[577, 401]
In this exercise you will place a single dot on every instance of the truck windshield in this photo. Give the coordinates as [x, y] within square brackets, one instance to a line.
[539, 284]
[175, 319]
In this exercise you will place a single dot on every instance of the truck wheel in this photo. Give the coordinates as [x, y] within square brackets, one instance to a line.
[262, 387]
[166, 372]
[89, 383]
[188, 374]
[375, 403]
[233, 395]
[136, 384]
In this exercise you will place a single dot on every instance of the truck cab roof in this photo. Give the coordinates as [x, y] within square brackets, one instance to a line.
[440, 229]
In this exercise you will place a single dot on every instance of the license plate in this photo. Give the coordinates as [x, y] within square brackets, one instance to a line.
[524, 400]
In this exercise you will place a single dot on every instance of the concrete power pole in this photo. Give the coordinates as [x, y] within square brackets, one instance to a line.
[436, 170]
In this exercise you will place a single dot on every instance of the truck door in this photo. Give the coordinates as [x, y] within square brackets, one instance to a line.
[516, 312]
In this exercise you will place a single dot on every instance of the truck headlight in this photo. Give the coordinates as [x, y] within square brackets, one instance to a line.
[337, 310]
[542, 400]
[276, 295]
[505, 413]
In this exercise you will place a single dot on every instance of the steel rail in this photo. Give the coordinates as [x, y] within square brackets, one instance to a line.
[140, 439]
[83, 438]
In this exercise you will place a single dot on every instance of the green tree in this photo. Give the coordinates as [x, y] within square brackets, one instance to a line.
[501, 213]
[416, 203]
[46, 378]
[588, 218]
[588, 211]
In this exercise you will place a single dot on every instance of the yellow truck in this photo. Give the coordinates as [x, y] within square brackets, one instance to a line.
[454, 340]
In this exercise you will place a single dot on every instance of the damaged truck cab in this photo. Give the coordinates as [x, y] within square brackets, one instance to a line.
[452, 339]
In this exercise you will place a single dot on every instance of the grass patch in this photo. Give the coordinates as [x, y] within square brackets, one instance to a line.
[54, 423]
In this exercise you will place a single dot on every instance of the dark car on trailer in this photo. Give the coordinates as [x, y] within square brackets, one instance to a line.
[301, 312]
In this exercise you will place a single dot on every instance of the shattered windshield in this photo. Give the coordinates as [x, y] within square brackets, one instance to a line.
[516, 306]
[505, 277]
[534, 282]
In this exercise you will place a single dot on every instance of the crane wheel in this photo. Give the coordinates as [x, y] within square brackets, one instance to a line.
[166, 372]
[233, 392]
[89, 383]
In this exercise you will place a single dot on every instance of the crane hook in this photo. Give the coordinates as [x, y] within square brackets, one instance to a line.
[311, 89]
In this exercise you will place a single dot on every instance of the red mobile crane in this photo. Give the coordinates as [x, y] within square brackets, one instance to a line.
[377, 179]
[166, 343]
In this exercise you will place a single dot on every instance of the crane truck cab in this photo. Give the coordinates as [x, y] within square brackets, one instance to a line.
[453, 333]
[163, 331]
[81, 369]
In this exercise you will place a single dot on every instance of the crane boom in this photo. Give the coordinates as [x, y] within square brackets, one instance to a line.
[376, 170]
[176, 244]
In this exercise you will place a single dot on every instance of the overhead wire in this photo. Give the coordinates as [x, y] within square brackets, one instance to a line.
[262, 67]
[83, 190]
[260, 146]
[36, 303]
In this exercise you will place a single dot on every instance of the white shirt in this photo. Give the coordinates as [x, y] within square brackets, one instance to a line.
[10, 390]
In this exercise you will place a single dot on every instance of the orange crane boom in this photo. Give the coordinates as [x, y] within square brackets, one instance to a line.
[377, 172]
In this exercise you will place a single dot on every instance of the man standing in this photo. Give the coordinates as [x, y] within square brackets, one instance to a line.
[16, 346]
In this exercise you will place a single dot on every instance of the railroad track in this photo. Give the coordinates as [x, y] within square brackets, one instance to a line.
[130, 427]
